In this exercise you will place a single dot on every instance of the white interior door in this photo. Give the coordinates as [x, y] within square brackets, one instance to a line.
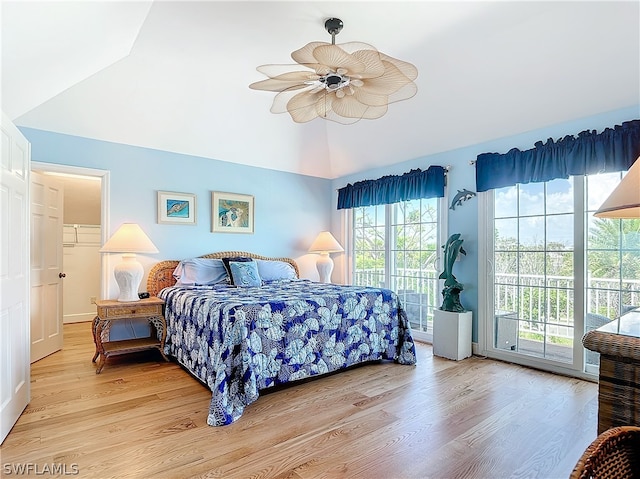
[47, 201]
[14, 275]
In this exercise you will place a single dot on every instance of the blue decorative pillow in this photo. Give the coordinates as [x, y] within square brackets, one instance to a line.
[245, 273]
[237, 259]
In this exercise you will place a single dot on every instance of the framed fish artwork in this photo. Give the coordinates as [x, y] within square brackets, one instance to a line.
[176, 208]
[231, 213]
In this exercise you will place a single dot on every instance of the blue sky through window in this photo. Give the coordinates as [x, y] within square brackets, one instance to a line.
[528, 200]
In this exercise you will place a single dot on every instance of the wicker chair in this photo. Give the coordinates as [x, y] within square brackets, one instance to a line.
[614, 454]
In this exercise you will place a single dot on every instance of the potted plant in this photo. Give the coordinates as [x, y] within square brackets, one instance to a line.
[452, 323]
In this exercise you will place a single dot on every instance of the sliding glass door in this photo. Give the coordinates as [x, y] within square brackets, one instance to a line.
[534, 260]
[556, 271]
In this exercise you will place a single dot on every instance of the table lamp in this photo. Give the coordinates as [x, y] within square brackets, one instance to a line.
[129, 240]
[324, 244]
[624, 201]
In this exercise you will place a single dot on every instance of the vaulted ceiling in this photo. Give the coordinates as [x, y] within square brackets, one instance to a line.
[175, 75]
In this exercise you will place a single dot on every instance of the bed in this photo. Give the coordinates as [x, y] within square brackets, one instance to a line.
[239, 339]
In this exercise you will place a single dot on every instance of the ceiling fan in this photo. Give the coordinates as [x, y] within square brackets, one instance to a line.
[343, 83]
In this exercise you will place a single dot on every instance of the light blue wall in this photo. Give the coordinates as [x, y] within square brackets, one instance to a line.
[464, 219]
[290, 209]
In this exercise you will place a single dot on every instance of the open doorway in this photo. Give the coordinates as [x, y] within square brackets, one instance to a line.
[84, 230]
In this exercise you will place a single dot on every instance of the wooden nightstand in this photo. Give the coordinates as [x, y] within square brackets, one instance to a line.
[112, 310]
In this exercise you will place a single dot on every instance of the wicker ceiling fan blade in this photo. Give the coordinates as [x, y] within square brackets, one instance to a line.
[375, 112]
[305, 55]
[408, 69]
[369, 98]
[282, 80]
[335, 57]
[388, 83]
[349, 106]
[372, 61]
[275, 85]
[303, 107]
[407, 91]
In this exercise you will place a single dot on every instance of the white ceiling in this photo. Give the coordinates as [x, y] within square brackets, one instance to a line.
[174, 75]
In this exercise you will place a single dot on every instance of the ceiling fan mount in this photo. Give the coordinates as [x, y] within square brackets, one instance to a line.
[333, 26]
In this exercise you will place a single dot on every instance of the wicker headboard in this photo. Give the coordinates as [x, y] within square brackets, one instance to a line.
[161, 274]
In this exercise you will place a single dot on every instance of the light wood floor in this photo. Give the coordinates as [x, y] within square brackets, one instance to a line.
[145, 418]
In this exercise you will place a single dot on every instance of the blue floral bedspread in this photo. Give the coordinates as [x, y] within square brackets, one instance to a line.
[241, 340]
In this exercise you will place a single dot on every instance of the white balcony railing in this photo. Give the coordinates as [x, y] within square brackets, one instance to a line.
[535, 300]
[604, 296]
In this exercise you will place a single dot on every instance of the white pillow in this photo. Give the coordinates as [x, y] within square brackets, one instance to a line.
[275, 270]
[200, 271]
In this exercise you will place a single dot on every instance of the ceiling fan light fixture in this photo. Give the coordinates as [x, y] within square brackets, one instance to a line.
[343, 83]
[334, 81]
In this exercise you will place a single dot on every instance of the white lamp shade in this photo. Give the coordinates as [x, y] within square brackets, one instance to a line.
[325, 243]
[129, 239]
[624, 201]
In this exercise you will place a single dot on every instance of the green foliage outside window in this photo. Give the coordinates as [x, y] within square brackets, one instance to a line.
[613, 253]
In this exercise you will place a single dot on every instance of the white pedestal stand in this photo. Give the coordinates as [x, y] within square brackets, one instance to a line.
[452, 334]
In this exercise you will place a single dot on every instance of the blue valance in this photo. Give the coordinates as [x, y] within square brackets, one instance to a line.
[393, 188]
[615, 149]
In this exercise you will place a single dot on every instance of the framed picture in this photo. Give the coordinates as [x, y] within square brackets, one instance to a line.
[231, 213]
[176, 208]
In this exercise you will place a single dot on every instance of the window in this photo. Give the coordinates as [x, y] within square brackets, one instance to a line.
[397, 247]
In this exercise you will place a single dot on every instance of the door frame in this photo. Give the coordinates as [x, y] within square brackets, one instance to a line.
[104, 176]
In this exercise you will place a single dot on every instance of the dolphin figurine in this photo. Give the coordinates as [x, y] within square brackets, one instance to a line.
[452, 288]
[452, 249]
[460, 197]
